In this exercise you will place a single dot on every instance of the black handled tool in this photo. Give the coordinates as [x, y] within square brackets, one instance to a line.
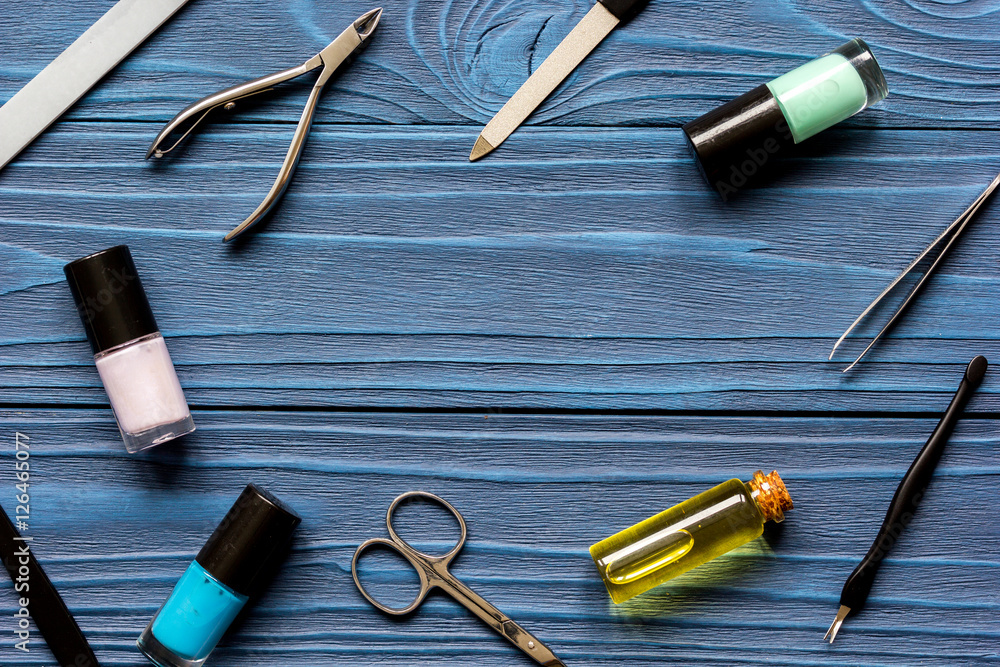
[54, 621]
[904, 502]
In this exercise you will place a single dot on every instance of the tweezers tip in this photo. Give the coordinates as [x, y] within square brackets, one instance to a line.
[843, 337]
[862, 355]
[481, 149]
[244, 226]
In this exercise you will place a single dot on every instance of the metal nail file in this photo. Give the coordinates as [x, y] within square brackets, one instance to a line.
[67, 78]
[577, 45]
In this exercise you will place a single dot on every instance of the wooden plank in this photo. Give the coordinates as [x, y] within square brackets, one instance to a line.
[457, 62]
[582, 267]
[570, 273]
[115, 531]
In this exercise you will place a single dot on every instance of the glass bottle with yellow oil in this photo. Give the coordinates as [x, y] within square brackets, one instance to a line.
[689, 534]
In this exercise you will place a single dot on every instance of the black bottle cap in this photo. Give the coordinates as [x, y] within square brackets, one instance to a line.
[248, 543]
[110, 298]
[737, 143]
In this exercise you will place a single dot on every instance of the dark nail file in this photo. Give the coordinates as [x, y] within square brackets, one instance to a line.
[46, 607]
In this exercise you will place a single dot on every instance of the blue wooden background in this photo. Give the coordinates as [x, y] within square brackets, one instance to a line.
[561, 339]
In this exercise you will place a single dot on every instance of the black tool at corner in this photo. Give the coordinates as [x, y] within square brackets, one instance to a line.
[906, 499]
[53, 619]
[625, 10]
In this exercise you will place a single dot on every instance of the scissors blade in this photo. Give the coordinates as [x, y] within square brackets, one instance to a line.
[530, 644]
[495, 618]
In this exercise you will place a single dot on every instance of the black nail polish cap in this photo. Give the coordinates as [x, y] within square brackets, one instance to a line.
[110, 298]
[735, 142]
[250, 541]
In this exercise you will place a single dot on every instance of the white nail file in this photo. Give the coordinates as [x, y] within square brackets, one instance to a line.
[67, 78]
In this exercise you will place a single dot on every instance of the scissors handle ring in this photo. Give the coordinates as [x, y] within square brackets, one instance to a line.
[425, 586]
[430, 569]
[441, 501]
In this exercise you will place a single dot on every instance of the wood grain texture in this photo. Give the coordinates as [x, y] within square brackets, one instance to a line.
[584, 266]
[115, 531]
[565, 272]
[457, 62]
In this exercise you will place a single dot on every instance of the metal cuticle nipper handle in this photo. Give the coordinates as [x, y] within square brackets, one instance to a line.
[336, 54]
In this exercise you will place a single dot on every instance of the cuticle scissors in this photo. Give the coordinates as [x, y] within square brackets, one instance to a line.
[336, 54]
[434, 573]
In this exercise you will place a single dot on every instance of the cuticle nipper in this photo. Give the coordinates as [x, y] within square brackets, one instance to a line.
[336, 54]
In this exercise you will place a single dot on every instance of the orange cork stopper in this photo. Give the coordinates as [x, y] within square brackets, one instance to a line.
[771, 495]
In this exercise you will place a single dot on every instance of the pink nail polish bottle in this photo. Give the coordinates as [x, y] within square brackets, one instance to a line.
[130, 353]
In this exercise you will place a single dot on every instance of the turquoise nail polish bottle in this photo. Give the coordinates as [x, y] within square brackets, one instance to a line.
[737, 142]
[197, 614]
[215, 587]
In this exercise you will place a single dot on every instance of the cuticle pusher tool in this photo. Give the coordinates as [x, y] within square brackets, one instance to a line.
[949, 236]
[336, 54]
[908, 495]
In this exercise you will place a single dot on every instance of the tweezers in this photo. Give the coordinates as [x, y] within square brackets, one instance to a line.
[336, 54]
[948, 237]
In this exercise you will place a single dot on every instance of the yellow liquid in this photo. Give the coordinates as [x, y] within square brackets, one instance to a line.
[677, 540]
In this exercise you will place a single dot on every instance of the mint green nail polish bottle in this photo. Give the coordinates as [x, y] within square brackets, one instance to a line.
[829, 89]
[735, 143]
